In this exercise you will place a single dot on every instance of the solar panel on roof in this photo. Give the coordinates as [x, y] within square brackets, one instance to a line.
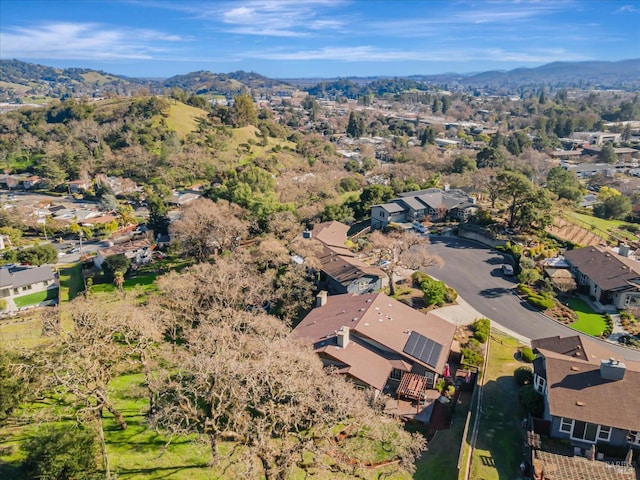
[423, 349]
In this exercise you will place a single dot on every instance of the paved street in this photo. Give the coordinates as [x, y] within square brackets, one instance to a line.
[474, 271]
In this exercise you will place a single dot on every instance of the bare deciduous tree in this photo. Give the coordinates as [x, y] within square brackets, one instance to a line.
[80, 366]
[206, 227]
[244, 380]
[400, 249]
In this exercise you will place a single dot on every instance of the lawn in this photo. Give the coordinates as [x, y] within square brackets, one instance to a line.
[22, 332]
[145, 281]
[71, 282]
[605, 226]
[441, 459]
[498, 450]
[589, 321]
[140, 453]
[36, 298]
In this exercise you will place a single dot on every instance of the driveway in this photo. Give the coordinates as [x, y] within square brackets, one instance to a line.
[474, 270]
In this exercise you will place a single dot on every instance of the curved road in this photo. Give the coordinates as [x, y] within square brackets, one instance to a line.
[474, 271]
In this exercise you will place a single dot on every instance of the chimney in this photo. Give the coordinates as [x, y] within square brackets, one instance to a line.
[343, 337]
[612, 369]
[321, 298]
[624, 250]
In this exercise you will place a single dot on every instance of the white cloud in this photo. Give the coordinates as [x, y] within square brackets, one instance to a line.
[627, 9]
[368, 53]
[276, 18]
[88, 41]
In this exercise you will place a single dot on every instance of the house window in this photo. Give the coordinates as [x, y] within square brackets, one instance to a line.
[634, 438]
[430, 379]
[584, 431]
[363, 285]
[565, 425]
[396, 375]
[16, 291]
[381, 213]
[604, 433]
[540, 383]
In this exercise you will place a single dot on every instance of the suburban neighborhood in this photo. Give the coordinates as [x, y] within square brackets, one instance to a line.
[397, 275]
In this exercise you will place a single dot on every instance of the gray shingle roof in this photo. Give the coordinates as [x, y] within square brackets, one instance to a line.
[21, 276]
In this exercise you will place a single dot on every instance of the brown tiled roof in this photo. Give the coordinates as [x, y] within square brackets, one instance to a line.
[345, 269]
[605, 268]
[125, 247]
[577, 390]
[332, 234]
[337, 260]
[373, 319]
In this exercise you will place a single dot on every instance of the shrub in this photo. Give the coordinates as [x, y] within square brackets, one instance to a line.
[434, 291]
[523, 376]
[471, 357]
[450, 295]
[531, 400]
[522, 288]
[540, 301]
[481, 329]
[61, 454]
[418, 277]
[527, 354]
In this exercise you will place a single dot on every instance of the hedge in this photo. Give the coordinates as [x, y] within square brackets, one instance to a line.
[481, 329]
[523, 376]
[540, 301]
[527, 354]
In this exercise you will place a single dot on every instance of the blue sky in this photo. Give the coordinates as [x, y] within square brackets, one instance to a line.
[316, 38]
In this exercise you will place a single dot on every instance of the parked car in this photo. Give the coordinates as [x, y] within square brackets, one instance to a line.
[418, 227]
[507, 269]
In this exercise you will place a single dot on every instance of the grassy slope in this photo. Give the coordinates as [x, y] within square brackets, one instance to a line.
[589, 322]
[498, 451]
[605, 226]
[183, 118]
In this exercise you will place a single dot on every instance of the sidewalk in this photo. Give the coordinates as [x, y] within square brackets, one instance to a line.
[464, 314]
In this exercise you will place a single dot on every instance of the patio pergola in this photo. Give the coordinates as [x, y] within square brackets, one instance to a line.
[412, 386]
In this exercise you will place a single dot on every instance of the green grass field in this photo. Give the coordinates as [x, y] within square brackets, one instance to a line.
[498, 451]
[71, 282]
[140, 453]
[589, 321]
[36, 298]
[145, 281]
[441, 459]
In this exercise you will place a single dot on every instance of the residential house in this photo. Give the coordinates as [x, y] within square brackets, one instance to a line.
[30, 182]
[180, 198]
[138, 251]
[375, 340]
[590, 398]
[432, 203]
[596, 138]
[16, 281]
[342, 270]
[608, 277]
[78, 186]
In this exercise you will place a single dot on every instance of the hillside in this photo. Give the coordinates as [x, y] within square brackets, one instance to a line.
[183, 119]
[19, 80]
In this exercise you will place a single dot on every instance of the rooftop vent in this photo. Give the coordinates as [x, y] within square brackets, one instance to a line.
[612, 369]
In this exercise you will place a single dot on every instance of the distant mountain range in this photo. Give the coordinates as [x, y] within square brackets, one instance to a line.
[23, 80]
